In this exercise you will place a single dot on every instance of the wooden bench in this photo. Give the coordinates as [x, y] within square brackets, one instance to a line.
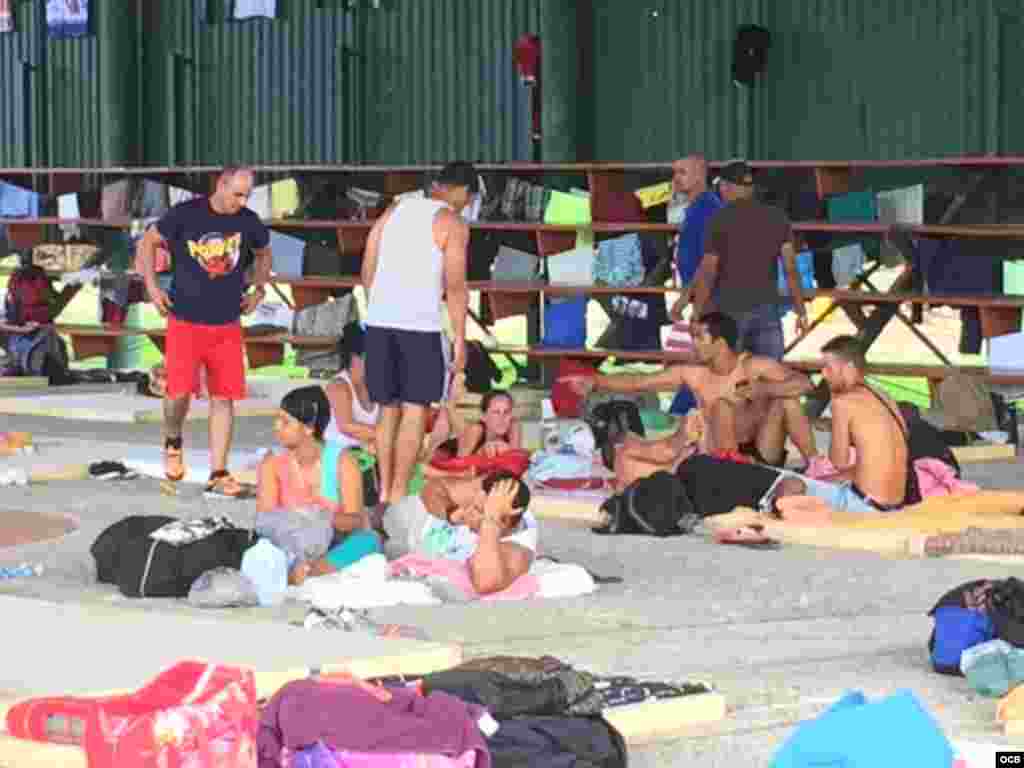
[951, 300]
[933, 373]
[95, 340]
[261, 350]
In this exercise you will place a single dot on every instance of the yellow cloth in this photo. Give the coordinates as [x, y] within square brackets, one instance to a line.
[284, 198]
[655, 194]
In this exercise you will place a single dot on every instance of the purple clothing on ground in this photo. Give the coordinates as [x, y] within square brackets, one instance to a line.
[343, 716]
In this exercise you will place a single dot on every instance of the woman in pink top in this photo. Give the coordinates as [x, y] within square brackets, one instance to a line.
[318, 473]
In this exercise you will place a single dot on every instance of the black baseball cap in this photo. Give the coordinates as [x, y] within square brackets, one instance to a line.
[459, 174]
[737, 172]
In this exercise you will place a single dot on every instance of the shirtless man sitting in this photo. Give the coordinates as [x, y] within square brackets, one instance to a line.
[747, 404]
[482, 521]
[879, 478]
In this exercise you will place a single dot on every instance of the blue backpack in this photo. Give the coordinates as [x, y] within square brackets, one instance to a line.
[958, 628]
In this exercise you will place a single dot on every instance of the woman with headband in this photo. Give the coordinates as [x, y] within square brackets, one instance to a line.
[315, 472]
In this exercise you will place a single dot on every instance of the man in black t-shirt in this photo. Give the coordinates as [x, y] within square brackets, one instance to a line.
[207, 238]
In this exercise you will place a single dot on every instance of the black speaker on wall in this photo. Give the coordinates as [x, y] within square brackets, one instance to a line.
[750, 53]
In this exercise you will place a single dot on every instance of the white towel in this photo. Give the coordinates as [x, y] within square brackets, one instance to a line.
[367, 584]
[562, 579]
[247, 9]
[364, 584]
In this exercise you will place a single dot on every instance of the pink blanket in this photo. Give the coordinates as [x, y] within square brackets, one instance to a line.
[934, 477]
[457, 573]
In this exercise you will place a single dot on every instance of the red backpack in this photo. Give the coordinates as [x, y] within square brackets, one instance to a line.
[28, 297]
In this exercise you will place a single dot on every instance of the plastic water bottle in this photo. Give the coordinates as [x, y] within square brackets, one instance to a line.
[20, 572]
[548, 426]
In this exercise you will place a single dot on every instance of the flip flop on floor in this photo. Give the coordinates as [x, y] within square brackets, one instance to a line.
[224, 485]
[751, 536]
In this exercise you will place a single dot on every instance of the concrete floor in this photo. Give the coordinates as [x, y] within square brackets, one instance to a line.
[781, 633]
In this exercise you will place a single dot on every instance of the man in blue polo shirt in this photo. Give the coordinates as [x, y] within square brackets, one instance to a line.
[690, 176]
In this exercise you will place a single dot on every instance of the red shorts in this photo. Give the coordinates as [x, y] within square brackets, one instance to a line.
[191, 347]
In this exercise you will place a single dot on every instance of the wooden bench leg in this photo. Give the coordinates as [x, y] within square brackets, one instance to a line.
[85, 347]
[263, 354]
[933, 392]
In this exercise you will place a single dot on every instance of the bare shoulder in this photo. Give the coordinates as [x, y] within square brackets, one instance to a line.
[450, 221]
[846, 403]
[449, 225]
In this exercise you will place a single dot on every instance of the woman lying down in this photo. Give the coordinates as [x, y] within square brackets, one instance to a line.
[481, 521]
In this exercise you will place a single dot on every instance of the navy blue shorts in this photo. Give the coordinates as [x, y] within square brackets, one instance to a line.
[760, 331]
[405, 366]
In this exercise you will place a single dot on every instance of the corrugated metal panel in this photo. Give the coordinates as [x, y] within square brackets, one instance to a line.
[73, 99]
[411, 82]
[20, 70]
[442, 82]
[883, 79]
[169, 93]
[663, 79]
[63, 104]
[254, 90]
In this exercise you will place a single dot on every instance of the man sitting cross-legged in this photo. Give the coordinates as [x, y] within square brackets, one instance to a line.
[746, 404]
[481, 521]
[880, 476]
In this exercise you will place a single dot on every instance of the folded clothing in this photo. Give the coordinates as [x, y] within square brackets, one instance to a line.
[346, 716]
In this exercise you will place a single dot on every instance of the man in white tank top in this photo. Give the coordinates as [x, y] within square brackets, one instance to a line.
[415, 257]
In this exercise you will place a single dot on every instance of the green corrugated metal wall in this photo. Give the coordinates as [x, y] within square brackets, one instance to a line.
[442, 81]
[413, 82]
[427, 80]
[19, 51]
[662, 79]
[846, 79]
[67, 102]
[883, 79]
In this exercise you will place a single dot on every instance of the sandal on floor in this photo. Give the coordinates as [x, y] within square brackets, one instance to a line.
[224, 485]
[174, 460]
[752, 536]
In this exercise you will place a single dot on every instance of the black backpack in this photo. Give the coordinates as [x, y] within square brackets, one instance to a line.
[610, 423]
[654, 506]
[926, 441]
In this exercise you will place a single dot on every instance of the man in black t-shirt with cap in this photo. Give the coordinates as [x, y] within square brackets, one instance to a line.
[739, 272]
